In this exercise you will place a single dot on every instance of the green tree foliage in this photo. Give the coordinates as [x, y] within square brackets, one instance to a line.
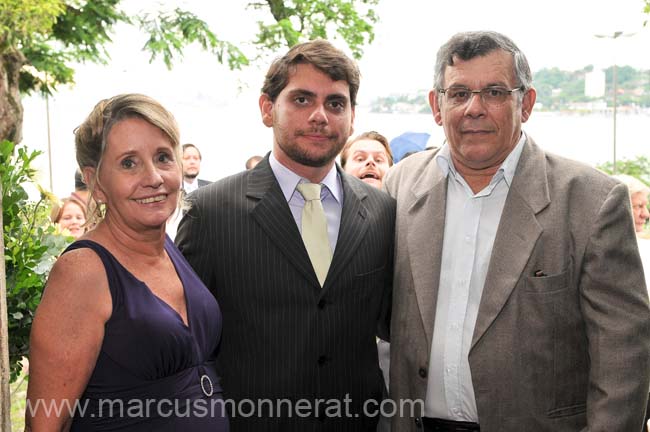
[300, 20]
[81, 30]
[638, 167]
[169, 33]
[53, 34]
[20, 18]
[40, 40]
[556, 89]
[31, 244]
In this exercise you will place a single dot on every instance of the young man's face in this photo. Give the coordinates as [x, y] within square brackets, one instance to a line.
[367, 160]
[191, 162]
[311, 118]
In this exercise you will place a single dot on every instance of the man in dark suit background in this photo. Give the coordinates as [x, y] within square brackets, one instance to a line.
[294, 330]
[191, 167]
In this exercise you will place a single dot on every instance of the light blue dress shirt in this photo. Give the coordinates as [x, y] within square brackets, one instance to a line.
[331, 196]
[471, 223]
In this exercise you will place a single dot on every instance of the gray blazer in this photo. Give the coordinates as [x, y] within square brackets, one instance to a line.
[569, 351]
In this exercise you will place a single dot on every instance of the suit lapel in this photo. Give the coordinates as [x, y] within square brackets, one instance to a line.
[353, 227]
[425, 241]
[272, 213]
[516, 236]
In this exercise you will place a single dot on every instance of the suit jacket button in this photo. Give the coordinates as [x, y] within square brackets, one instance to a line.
[321, 304]
[418, 422]
[322, 360]
[422, 372]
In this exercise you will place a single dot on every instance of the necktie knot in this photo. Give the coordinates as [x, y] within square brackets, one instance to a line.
[309, 191]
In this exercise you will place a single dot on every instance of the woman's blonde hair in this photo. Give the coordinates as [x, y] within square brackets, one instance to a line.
[91, 136]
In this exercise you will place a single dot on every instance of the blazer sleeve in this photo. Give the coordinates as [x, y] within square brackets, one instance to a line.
[193, 240]
[383, 328]
[614, 302]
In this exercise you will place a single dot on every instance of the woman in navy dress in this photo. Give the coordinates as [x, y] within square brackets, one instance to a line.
[126, 335]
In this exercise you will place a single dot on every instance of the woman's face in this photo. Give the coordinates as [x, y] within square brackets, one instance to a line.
[640, 210]
[140, 178]
[72, 218]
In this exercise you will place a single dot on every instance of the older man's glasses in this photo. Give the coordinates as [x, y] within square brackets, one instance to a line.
[492, 96]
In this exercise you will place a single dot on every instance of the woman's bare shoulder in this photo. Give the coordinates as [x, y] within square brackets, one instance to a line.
[79, 280]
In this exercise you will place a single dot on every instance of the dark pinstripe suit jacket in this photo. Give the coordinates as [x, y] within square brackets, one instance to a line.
[203, 182]
[283, 335]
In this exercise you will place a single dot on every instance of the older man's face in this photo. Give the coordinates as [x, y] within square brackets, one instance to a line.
[481, 135]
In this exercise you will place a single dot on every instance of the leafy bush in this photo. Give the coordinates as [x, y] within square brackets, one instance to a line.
[638, 167]
[31, 243]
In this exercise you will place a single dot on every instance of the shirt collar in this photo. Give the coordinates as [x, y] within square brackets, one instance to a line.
[507, 168]
[190, 187]
[288, 180]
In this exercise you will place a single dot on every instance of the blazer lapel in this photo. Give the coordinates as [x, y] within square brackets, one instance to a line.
[425, 241]
[272, 213]
[516, 236]
[352, 229]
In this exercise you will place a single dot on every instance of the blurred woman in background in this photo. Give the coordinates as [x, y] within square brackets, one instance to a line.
[70, 215]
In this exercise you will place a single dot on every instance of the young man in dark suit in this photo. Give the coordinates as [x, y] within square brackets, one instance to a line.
[303, 281]
[191, 167]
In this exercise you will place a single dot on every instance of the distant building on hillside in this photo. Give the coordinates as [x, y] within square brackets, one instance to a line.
[595, 83]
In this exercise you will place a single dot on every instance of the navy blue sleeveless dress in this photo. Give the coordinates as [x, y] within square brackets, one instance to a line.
[153, 372]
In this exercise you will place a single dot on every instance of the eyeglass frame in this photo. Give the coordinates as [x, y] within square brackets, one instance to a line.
[480, 93]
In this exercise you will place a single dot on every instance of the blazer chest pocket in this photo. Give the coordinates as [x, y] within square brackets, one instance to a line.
[547, 284]
[368, 283]
[370, 273]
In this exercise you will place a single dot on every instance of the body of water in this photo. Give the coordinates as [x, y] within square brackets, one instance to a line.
[229, 134]
[587, 138]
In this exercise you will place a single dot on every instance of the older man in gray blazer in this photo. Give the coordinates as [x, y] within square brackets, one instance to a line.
[519, 300]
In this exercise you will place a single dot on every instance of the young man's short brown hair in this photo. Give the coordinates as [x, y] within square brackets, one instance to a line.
[323, 56]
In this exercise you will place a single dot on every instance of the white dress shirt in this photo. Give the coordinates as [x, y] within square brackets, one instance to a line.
[331, 196]
[471, 223]
[190, 187]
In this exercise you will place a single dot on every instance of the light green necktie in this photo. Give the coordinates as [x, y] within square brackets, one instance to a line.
[314, 230]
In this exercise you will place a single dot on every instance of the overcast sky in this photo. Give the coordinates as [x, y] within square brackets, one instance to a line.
[217, 108]
[551, 33]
